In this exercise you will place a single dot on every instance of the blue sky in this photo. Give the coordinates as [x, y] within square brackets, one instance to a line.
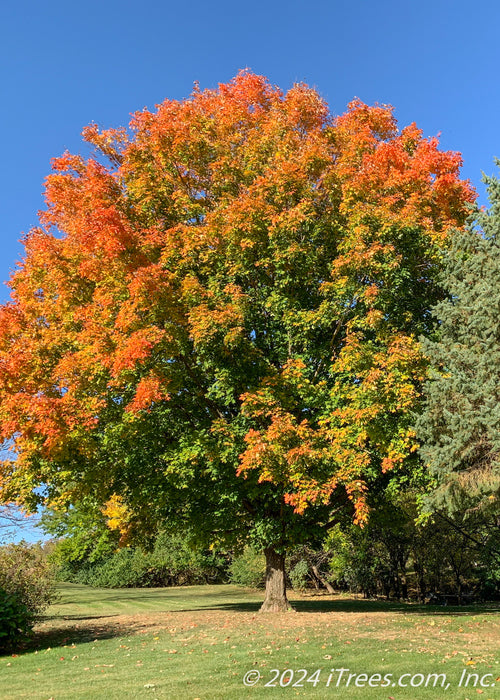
[65, 65]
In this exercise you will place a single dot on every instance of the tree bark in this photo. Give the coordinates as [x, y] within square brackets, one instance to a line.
[322, 580]
[275, 600]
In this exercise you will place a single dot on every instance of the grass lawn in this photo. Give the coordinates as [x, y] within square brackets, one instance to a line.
[199, 641]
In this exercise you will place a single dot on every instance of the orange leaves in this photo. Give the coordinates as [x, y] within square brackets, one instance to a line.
[305, 462]
[399, 178]
[247, 90]
[305, 109]
[357, 133]
[265, 263]
[149, 390]
[135, 348]
[306, 459]
[278, 450]
[285, 453]
[84, 201]
[109, 142]
[219, 314]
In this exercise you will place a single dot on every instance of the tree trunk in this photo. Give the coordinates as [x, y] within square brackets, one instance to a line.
[421, 582]
[275, 600]
[322, 580]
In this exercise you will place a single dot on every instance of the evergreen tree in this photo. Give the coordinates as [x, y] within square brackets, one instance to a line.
[460, 425]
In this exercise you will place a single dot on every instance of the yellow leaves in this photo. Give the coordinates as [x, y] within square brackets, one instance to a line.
[399, 448]
[206, 322]
[294, 369]
[391, 371]
[373, 318]
[115, 512]
[381, 383]
[117, 516]
[251, 233]
[218, 314]
[290, 220]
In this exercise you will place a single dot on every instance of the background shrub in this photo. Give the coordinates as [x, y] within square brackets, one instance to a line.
[27, 587]
[299, 575]
[175, 561]
[172, 561]
[15, 619]
[248, 569]
[119, 570]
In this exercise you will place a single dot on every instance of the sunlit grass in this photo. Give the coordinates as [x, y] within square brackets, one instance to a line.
[198, 641]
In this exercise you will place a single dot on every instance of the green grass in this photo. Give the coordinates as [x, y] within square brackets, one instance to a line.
[198, 641]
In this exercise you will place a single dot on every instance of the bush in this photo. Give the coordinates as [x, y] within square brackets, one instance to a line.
[81, 533]
[299, 575]
[171, 562]
[26, 572]
[15, 619]
[27, 587]
[174, 561]
[120, 570]
[248, 569]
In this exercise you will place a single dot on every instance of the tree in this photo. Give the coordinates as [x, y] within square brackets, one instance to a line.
[13, 523]
[217, 318]
[460, 424]
[82, 533]
[398, 555]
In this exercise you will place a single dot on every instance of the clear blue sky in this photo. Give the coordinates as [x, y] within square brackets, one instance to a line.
[67, 64]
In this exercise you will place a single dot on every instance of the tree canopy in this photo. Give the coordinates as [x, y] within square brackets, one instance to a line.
[460, 423]
[218, 316]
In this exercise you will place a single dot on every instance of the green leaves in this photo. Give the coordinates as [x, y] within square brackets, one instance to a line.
[218, 325]
[460, 425]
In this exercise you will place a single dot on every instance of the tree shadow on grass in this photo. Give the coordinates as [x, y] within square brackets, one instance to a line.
[322, 605]
[400, 607]
[60, 635]
[66, 630]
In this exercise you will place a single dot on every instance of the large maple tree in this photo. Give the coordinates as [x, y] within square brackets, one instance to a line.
[217, 319]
